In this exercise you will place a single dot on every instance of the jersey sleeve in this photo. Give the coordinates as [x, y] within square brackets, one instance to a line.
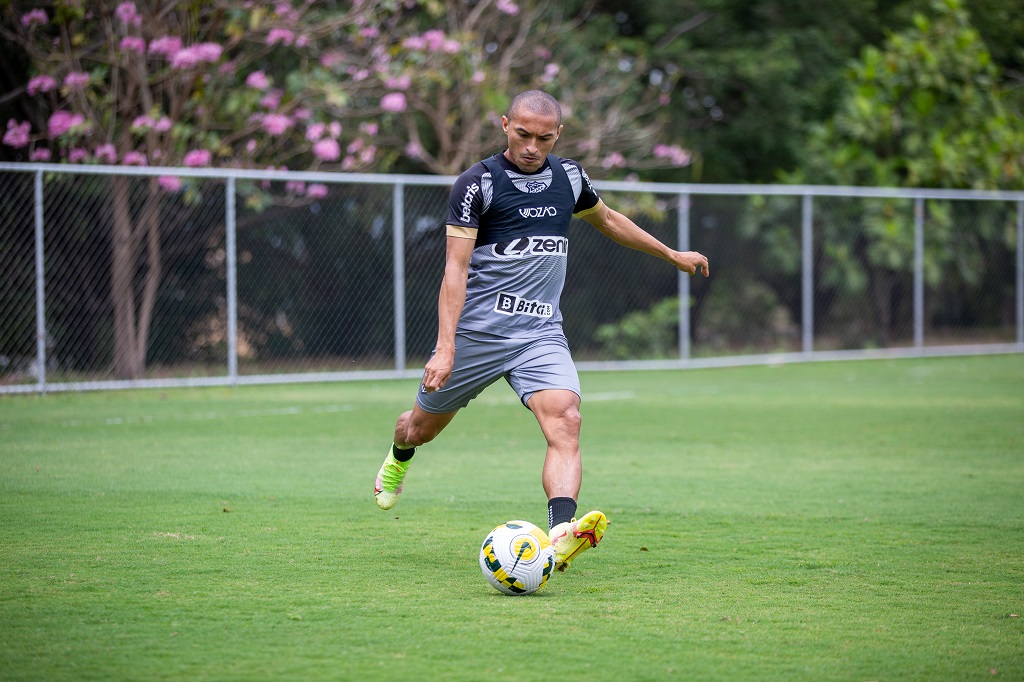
[588, 200]
[465, 203]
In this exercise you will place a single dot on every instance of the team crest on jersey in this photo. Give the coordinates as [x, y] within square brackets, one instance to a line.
[532, 246]
[535, 186]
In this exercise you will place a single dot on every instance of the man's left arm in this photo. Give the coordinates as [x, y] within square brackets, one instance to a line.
[624, 231]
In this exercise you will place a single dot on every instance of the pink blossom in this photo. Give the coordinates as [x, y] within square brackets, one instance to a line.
[250, 146]
[166, 45]
[36, 16]
[105, 152]
[676, 155]
[348, 163]
[416, 43]
[543, 52]
[303, 114]
[141, 124]
[134, 159]
[335, 129]
[369, 128]
[40, 154]
[355, 146]
[41, 84]
[76, 80]
[435, 39]
[209, 52]
[295, 187]
[62, 121]
[479, 77]
[451, 46]
[393, 102]
[332, 58]
[507, 7]
[191, 56]
[17, 134]
[169, 183]
[163, 125]
[198, 157]
[327, 150]
[129, 14]
[614, 160]
[315, 131]
[276, 124]
[77, 155]
[397, 83]
[258, 80]
[369, 32]
[368, 154]
[414, 150]
[133, 44]
[550, 71]
[358, 74]
[316, 191]
[302, 41]
[280, 35]
[272, 100]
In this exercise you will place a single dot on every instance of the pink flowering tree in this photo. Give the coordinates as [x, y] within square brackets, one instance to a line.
[350, 86]
[141, 83]
[438, 77]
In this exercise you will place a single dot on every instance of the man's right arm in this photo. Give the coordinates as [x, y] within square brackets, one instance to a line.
[450, 301]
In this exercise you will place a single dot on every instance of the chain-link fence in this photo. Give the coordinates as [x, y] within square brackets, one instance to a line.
[113, 277]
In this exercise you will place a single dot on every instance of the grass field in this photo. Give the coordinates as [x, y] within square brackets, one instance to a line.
[830, 521]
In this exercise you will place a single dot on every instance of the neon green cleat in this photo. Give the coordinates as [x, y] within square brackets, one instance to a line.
[388, 485]
[571, 538]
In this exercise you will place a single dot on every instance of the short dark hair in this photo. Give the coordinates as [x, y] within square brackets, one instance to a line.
[537, 101]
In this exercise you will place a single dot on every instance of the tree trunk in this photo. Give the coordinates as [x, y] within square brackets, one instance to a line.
[122, 286]
[150, 222]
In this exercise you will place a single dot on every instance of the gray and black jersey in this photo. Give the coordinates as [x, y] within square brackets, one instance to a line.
[520, 222]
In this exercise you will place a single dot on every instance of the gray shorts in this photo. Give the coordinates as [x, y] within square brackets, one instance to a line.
[528, 365]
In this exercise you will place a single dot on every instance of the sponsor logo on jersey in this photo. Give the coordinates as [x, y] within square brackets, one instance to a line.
[533, 246]
[539, 212]
[510, 304]
[467, 201]
[586, 179]
[535, 186]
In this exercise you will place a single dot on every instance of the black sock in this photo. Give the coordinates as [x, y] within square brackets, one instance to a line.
[402, 455]
[560, 509]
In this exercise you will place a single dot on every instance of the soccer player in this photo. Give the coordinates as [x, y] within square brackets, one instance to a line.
[498, 308]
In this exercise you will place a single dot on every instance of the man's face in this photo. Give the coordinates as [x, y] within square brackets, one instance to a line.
[530, 138]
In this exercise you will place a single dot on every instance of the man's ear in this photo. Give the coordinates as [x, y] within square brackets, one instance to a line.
[504, 123]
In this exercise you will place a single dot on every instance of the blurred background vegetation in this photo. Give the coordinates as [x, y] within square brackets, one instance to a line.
[906, 93]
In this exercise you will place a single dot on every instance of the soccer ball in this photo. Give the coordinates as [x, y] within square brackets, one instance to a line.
[517, 558]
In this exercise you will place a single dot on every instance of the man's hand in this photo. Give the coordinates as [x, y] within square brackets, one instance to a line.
[438, 371]
[691, 262]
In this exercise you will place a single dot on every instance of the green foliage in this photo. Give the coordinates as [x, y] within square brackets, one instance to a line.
[650, 333]
[926, 110]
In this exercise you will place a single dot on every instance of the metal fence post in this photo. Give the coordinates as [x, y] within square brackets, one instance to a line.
[40, 285]
[398, 264]
[807, 273]
[919, 272]
[683, 229]
[1020, 274]
[232, 275]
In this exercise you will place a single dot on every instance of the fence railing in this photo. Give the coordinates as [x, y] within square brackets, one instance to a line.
[116, 277]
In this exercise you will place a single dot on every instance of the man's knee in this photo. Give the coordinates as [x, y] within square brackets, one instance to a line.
[558, 412]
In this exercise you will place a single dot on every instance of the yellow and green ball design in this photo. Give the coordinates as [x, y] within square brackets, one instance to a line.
[517, 558]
